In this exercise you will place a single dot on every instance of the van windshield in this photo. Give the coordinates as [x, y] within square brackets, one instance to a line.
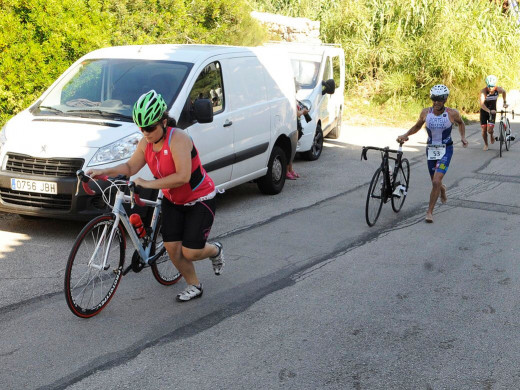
[305, 72]
[110, 87]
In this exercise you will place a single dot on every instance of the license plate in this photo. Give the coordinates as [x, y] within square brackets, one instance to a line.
[41, 187]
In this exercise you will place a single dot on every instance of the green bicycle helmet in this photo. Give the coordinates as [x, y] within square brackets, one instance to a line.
[148, 109]
[491, 81]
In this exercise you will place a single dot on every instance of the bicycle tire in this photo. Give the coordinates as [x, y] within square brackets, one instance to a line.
[508, 135]
[163, 269]
[501, 137]
[88, 290]
[402, 178]
[374, 201]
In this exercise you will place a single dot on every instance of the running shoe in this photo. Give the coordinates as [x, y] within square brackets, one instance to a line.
[190, 293]
[218, 261]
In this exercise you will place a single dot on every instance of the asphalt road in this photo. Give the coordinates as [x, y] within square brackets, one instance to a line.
[311, 297]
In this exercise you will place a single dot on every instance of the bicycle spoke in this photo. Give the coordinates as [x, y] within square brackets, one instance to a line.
[89, 281]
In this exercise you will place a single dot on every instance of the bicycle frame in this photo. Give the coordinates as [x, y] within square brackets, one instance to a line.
[385, 156]
[122, 217]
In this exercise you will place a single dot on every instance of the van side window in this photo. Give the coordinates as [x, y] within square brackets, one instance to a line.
[209, 86]
[336, 70]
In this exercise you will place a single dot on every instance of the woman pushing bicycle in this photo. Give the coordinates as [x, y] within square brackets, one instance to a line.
[439, 123]
[188, 206]
[488, 107]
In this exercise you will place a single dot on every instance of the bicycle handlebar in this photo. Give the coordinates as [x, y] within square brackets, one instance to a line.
[386, 149]
[134, 190]
[512, 112]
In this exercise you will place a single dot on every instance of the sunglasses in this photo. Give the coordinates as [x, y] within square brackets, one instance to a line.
[440, 98]
[150, 128]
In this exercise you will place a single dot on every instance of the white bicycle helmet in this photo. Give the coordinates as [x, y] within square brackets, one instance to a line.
[439, 91]
[491, 81]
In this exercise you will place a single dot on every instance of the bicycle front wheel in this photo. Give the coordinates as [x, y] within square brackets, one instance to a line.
[90, 283]
[375, 195]
[163, 269]
[507, 140]
[401, 185]
[501, 136]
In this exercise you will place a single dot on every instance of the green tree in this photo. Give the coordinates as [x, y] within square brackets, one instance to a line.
[40, 39]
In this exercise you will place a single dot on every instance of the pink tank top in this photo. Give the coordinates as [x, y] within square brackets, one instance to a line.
[161, 164]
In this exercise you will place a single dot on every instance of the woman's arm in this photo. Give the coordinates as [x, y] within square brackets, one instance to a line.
[129, 168]
[180, 147]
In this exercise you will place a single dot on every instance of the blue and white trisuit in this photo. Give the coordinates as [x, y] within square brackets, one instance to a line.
[439, 133]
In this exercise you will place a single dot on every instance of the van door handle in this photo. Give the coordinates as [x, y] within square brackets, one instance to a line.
[227, 123]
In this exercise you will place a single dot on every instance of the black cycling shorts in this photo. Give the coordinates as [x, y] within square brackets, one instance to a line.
[189, 224]
[486, 117]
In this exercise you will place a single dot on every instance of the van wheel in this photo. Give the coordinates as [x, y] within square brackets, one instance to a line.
[336, 132]
[317, 146]
[272, 183]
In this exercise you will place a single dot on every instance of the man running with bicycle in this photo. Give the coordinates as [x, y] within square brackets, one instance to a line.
[488, 108]
[439, 123]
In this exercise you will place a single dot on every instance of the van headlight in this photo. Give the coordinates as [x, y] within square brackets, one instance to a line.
[119, 150]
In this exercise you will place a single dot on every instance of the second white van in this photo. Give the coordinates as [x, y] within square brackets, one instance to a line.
[319, 70]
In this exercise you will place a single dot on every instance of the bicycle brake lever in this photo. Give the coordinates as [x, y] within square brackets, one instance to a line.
[131, 188]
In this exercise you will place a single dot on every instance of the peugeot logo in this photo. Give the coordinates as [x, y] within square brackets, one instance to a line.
[44, 149]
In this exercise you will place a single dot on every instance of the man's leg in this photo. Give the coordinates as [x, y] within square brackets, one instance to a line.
[490, 128]
[484, 136]
[434, 195]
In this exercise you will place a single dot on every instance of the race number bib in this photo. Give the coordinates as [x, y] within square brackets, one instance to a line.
[436, 152]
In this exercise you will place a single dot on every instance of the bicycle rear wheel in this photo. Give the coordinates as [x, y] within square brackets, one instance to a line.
[375, 195]
[163, 269]
[401, 184]
[507, 140]
[501, 137]
[89, 285]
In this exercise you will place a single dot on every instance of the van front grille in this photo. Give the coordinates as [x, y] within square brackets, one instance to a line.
[50, 167]
[42, 201]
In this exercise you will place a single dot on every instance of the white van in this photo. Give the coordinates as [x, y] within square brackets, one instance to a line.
[237, 104]
[313, 65]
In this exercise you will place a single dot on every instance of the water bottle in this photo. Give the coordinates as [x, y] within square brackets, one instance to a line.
[137, 223]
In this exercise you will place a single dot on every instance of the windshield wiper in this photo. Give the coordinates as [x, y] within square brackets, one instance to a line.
[53, 109]
[112, 115]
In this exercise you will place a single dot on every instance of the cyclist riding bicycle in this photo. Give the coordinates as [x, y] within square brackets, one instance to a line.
[188, 205]
[488, 107]
[439, 123]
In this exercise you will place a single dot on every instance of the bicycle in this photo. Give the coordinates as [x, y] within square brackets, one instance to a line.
[504, 131]
[387, 183]
[96, 262]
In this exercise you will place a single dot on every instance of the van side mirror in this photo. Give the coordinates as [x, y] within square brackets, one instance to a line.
[203, 110]
[329, 87]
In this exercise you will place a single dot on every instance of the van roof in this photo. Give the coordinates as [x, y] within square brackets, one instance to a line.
[182, 53]
[308, 48]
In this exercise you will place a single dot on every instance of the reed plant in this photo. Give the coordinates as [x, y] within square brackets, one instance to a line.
[397, 49]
